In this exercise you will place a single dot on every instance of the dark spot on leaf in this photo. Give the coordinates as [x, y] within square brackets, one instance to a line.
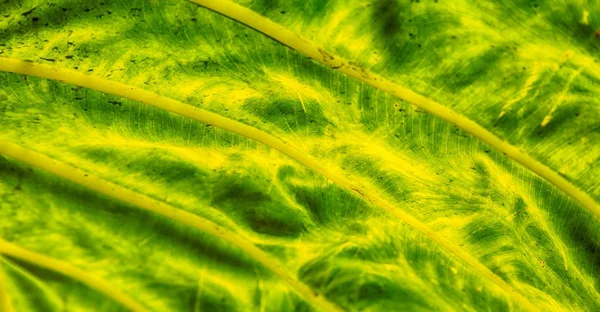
[386, 15]
[28, 12]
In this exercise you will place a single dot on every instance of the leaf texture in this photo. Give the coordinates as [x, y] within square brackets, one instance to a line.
[350, 197]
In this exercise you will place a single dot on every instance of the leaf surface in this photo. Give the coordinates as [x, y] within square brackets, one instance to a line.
[311, 190]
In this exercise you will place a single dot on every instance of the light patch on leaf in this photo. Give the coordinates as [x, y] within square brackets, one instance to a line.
[585, 17]
[295, 88]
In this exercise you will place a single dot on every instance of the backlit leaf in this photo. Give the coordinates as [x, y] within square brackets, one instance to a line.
[381, 155]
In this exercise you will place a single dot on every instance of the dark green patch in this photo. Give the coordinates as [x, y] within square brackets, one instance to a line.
[212, 297]
[476, 69]
[304, 116]
[561, 117]
[387, 16]
[247, 199]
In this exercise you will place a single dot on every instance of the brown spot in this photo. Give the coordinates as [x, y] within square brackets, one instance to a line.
[326, 56]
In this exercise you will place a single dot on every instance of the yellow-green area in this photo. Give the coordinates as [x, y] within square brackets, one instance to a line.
[291, 39]
[17, 252]
[166, 157]
[115, 191]
[523, 70]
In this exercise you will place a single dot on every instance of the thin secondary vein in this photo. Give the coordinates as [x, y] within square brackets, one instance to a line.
[83, 178]
[147, 97]
[15, 251]
[5, 303]
[278, 32]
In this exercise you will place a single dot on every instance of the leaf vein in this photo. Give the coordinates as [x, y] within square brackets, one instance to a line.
[171, 105]
[294, 41]
[141, 201]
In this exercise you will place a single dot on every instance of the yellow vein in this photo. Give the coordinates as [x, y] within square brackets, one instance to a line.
[15, 251]
[24, 276]
[310, 49]
[73, 77]
[5, 304]
[144, 202]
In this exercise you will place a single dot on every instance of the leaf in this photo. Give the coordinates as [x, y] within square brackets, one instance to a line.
[523, 70]
[167, 157]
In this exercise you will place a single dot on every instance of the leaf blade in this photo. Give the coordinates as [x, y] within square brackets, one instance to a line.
[288, 38]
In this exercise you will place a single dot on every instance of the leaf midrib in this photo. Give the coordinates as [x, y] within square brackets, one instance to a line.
[294, 41]
[171, 105]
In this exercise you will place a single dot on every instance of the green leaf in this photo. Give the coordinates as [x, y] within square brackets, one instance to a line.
[299, 156]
